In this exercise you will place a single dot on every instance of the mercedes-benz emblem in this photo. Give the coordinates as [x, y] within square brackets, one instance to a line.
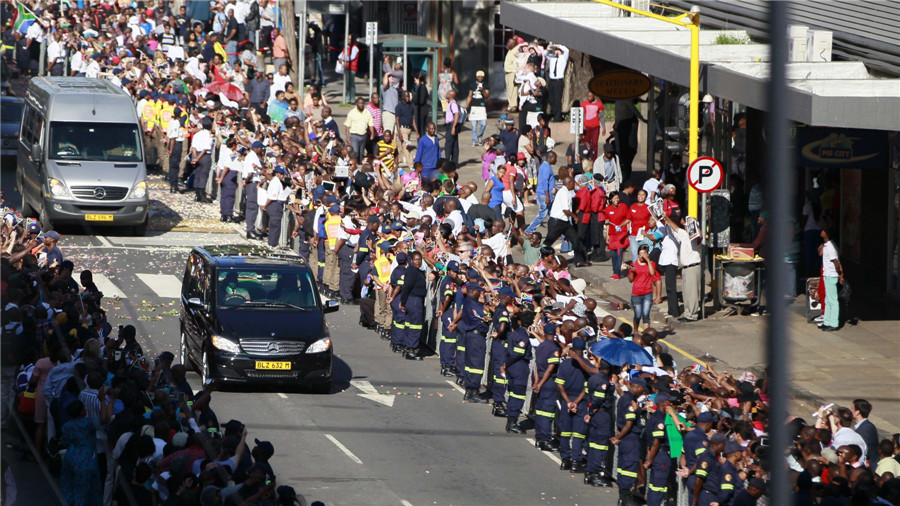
[272, 347]
[99, 193]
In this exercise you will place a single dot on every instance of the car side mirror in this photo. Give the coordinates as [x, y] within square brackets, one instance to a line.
[331, 306]
[195, 303]
[36, 153]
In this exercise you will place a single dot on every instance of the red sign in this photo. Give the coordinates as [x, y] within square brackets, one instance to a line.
[705, 174]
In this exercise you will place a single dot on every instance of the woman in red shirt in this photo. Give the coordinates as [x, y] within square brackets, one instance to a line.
[639, 218]
[670, 204]
[593, 120]
[617, 221]
[641, 276]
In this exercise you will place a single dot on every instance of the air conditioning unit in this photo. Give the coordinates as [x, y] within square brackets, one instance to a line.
[818, 45]
[797, 43]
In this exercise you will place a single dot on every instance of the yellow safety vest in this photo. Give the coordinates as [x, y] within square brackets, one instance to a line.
[149, 115]
[383, 268]
[166, 114]
[332, 227]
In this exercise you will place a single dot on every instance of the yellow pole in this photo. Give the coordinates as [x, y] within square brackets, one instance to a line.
[694, 111]
[694, 120]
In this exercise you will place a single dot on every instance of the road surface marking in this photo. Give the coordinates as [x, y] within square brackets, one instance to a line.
[404, 502]
[343, 448]
[166, 286]
[602, 312]
[369, 392]
[552, 457]
[282, 395]
[457, 387]
[104, 241]
[107, 287]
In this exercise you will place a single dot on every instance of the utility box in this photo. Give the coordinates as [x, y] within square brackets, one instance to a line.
[818, 45]
[797, 43]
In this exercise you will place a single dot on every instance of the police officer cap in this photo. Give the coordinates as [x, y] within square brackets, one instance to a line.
[471, 285]
[637, 380]
[334, 209]
[331, 199]
[386, 229]
[372, 219]
[549, 328]
[279, 169]
[386, 245]
[206, 123]
[733, 447]
[507, 291]
[256, 144]
[402, 257]
[397, 225]
[706, 417]
[453, 265]
[718, 437]
[757, 483]
[663, 397]
[144, 93]
[578, 344]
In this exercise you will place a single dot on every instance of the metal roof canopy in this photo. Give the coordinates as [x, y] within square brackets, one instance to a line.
[414, 42]
[835, 94]
[398, 43]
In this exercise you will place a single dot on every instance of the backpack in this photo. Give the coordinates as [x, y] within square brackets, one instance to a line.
[462, 114]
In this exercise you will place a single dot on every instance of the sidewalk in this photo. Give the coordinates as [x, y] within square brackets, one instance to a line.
[856, 362]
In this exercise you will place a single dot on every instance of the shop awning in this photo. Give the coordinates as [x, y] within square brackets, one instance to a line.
[835, 94]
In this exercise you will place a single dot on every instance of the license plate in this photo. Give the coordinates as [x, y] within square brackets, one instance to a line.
[274, 366]
[98, 217]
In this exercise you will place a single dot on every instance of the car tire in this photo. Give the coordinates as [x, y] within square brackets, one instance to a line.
[204, 367]
[44, 219]
[140, 230]
[323, 388]
[27, 210]
[185, 354]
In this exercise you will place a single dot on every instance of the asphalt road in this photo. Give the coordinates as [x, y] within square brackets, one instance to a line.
[426, 447]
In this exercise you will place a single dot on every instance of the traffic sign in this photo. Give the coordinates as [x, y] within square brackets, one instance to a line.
[576, 120]
[371, 33]
[705, 174]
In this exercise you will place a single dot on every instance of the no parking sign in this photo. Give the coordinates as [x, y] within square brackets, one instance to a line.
[705, 174]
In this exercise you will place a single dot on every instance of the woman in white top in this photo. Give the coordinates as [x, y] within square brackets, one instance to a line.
[832, 274]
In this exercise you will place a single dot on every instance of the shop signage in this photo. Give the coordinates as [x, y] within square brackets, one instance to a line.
[619, 85]
[842, 148]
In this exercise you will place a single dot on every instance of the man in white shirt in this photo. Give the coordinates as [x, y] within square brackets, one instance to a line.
[56, 55]
[833, 273]
[274, 206]
[497, 240]
[651, 186]
[174, 143]
[201, 157]
[689, 258]
[279, 82]
[559, 224]
[557, 59]
[250, 181]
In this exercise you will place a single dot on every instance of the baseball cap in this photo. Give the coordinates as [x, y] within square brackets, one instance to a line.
[718, 437]
[549, 328]
[179, 440]
[520, 156]
[372, 219]
[279, 169]
[453, 265]
[506, 291]
[386, 229]
[706, 417]
[578, 344]
[733, 447]
[637, 380]
[397, 225]
[334, 209]
[663, 397]
[34, 228]
[480, 73]
[53, 234]
[402, 257]
[757, 483]
[257, 144]
[471, 285]
[266, 447]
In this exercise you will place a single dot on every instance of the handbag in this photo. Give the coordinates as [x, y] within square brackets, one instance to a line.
[339, 67]
[26, 401]
[844, 292]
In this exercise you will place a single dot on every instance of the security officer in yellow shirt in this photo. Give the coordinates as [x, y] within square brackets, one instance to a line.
[166, 113]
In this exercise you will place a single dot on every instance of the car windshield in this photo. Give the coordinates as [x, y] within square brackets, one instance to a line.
[261, 287]
[103, 142]
[12, 111]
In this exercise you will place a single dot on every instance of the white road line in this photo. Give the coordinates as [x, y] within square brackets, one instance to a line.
[109, 289]
[550, 455]
[167, 286]
[343, 448]
[282, 395]
[457, 387]
[104, 241]
[404, 502]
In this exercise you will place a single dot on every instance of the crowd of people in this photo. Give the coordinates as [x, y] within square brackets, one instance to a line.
[376, 203]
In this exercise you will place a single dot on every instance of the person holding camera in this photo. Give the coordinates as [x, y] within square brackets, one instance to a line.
[641, 275]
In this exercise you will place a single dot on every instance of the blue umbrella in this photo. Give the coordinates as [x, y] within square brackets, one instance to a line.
[620, 352]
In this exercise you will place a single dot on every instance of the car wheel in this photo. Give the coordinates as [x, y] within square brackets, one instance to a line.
[140, 230]
[27, 210]
[204, 367]
[323, 388]
[185, 353]
[44, 219]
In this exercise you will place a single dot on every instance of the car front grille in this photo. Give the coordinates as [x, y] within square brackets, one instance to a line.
[272, 347]
[272, 374]
[100, 192]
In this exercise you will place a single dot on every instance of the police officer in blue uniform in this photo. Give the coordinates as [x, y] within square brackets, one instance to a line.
[398, 332]
[364, 248]
[321, 240]
[571, 382]
[516, 368]
[546, 358]
[731, 483]
[473, 323]
[695, 443]
[499, 330]
[446, 294]
[458, 300]
[412, 302]
[658, 460]
[627, 438]
[601, 401]
[708, 472]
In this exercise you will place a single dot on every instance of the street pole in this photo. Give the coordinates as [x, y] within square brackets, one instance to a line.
[302, 32]
[779, 179]
[371, 66]
[346, 49]
[405, 63]
[703, 248]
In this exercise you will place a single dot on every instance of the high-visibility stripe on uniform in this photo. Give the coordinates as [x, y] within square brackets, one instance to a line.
[565, 434]
[517, 396]
[578, 435]
[553, 360]
[460, 348]
[658, 433]
[321, 264]
[630, 416]
[560, 381]
[598, 446]
[501, 381]
[701, 472]
[545, 414]
[630, 474]
[658, 489]
[727, 486]
[448, 340]
[516, 349]
[413, 326]
[399, 325]
[599, 393]
[698, 451]
[474, 371]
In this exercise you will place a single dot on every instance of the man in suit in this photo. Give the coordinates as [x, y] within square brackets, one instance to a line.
[865, 428]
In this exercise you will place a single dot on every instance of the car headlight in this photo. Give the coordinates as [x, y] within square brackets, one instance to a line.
[320, 346]
[58, 188]
[140, 190]
[225, 344]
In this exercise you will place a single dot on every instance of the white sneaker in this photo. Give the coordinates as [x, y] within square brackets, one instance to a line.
[819, 319]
